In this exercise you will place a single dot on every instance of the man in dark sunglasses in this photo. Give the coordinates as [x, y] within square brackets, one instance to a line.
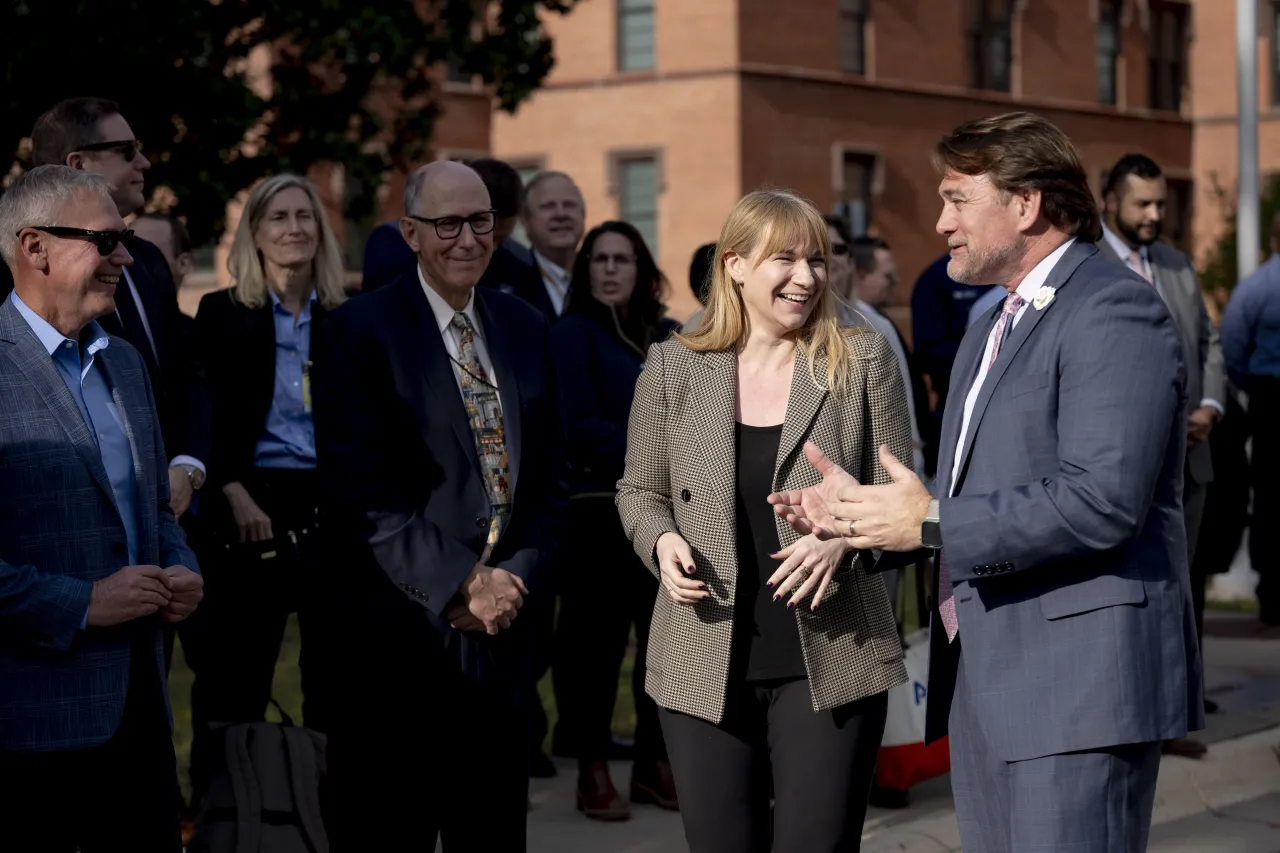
[90, 135]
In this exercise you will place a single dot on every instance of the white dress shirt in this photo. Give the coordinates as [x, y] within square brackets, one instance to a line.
[444, 312]
[1028, 289]
[555, 279]
[884, 326]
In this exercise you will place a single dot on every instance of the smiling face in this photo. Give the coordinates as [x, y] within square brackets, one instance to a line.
[288, 233]
[452, 266]
[613, 269]
[126, 177]
[554, 216]
[982, 229]
[780, 288]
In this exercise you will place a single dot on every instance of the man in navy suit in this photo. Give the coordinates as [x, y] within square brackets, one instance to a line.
[438, 433]
[92, 561]
[1063, 643]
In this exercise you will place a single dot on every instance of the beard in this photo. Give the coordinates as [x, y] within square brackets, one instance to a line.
[983, 266]
[1134, 235]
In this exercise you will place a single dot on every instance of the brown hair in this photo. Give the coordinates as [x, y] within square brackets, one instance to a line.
[1022, 152]
[66, 127]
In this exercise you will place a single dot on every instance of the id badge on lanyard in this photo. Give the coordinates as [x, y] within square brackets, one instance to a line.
[306, 387]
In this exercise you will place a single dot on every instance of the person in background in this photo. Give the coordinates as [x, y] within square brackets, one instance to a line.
[1251, 346]
[170, 236]
[92, 561]
[1133, 207]
[614, 314]
[554, 217]
[771, 653]
[700, 283]
[261, 551]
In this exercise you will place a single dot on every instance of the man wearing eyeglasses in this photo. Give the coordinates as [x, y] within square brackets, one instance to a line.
[438, 434]
[90, 135]
[92, 561]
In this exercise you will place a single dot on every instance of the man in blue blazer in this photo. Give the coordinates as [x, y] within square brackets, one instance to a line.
[437, 430]
[1063, 642]
[92, 562]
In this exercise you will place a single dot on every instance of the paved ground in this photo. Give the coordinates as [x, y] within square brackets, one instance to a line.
[1227, 803]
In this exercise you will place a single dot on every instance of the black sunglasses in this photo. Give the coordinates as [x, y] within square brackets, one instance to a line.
[129, 148]
[448, 227]
[106, 241]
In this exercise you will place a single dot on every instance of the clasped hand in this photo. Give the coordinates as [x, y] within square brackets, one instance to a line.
[491, 599]
[137, 591]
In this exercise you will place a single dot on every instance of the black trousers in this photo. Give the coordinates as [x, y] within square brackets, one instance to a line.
[233, 639]
[820, 765]
[604, 589]
[120, 796]
[1264, 420]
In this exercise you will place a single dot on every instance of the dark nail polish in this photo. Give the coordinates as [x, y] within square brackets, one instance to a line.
[778, 596]
[689, 569]
[791, 605]
[769, 584]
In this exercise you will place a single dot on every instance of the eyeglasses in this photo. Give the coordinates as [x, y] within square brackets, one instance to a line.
[618, 260]
[129, 148]
[839, 248]
[106, 241]
[448, 227]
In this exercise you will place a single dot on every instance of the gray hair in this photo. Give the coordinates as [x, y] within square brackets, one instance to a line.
[38, 197]
[413, 189]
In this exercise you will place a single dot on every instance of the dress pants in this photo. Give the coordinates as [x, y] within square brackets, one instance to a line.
[1099, 801]
[1264, 421]
[820, 765]
[604, 588]
[233, 640]
[120, 796]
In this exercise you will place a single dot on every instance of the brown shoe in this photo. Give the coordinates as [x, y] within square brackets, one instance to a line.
[1184, 747]
[597, 798]
[655, 784]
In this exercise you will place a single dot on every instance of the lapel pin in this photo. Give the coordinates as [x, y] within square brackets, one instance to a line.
[1043, 297]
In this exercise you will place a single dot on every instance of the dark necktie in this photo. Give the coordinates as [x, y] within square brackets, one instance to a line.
[128, 319]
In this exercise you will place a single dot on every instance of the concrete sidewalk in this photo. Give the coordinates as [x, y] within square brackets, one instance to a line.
[1228, 802]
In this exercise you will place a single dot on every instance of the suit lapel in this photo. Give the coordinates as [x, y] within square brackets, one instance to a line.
[1016, 337]
[964, 371]
[713, 384]
[124, 395]
[803, 405]
[504, 367]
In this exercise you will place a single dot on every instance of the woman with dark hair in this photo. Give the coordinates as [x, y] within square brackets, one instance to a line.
[612, 317]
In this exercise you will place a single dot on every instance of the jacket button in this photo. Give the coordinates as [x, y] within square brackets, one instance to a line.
[685, 496]
[481, 521]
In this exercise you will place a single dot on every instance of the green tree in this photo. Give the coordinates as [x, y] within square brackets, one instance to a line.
[352, 81]
[1221, 273]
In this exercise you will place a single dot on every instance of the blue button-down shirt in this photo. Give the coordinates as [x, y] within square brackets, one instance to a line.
[1251, 325]
[289, 437]
[76, 364]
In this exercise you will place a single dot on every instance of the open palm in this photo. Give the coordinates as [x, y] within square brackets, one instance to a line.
[807, 510]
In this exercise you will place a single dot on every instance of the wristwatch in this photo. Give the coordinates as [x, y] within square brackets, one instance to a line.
[930, 529]
[194, 474]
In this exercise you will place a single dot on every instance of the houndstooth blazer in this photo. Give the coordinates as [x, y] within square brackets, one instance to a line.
[680, 477]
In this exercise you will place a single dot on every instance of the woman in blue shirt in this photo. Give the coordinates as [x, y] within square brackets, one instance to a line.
[614, 313]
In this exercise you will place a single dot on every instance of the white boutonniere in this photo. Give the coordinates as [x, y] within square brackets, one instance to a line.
[1043, 297]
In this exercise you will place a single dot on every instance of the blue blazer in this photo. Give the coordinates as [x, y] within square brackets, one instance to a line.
[62, 688]
[1064, 538]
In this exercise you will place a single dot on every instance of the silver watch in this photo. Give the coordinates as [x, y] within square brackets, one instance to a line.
[194, 474]
[930, 529]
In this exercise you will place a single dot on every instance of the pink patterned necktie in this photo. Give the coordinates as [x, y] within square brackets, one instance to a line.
[946, 595]
[1136, 264]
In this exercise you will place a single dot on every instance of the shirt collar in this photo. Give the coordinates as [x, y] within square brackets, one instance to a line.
[278, 306]
[1120, 247]
[51, 338]
[1040, 273]
[557, 273]
[443, 310]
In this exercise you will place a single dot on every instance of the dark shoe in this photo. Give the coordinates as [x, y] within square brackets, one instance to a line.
[597, 798]
[1210, 706]
[541, 767]
[1184, 747]
[889, 798]
[654, 784]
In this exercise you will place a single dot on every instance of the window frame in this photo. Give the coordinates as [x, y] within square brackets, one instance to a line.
[1157, 62]
[617, 161]
[852, 25]
[625, 10]
[1110, 12]
[985, 30]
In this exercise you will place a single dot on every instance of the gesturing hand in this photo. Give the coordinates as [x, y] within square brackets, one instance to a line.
[187, 588]
[886, 517]
[253, 524]
[675, 561]
[493, 596]
[808, 510]
[131, 593]
[807, 563]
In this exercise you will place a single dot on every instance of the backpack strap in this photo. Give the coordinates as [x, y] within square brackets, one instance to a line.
[304, 775]
[244, 787]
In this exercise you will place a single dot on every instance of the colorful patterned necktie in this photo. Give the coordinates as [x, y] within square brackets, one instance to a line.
[1136, 264]
[485, 413]
[946, 595]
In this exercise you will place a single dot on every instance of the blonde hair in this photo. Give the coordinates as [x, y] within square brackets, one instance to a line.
[249, 285]
[762, 223]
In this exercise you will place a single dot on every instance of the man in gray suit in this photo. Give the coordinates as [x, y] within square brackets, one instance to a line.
[1063, 646]
[92, 562]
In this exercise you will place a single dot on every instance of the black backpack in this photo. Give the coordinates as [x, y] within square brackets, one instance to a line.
[265, 793]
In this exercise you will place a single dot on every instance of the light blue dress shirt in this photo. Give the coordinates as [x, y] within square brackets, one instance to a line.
[1251, 325]
[289, 437]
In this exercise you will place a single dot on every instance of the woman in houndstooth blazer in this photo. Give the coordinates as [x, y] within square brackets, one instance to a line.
[770, 653]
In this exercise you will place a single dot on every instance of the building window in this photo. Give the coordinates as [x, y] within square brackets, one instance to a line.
[1108, 49]
[635, 35]
[1275, 53]
[857, 182]
[990, 44]
[1167, 54]
[638, 196]
[853, 32]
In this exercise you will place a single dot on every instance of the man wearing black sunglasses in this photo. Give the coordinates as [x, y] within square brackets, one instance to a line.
[90, 135]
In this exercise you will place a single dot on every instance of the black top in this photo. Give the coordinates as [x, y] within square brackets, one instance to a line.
[766, 637]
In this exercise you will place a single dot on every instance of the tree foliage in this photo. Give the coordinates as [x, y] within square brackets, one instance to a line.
[1220, 273]
[352, 81]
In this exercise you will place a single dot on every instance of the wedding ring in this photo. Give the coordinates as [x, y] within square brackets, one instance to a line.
[851, 533]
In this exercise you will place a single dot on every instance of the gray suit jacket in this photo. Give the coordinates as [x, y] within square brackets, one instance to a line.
[60, 687]
[1065, 538]
[1175, 279]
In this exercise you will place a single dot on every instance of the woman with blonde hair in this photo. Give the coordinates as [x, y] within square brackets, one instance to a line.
[258, 548]
[770, 654]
